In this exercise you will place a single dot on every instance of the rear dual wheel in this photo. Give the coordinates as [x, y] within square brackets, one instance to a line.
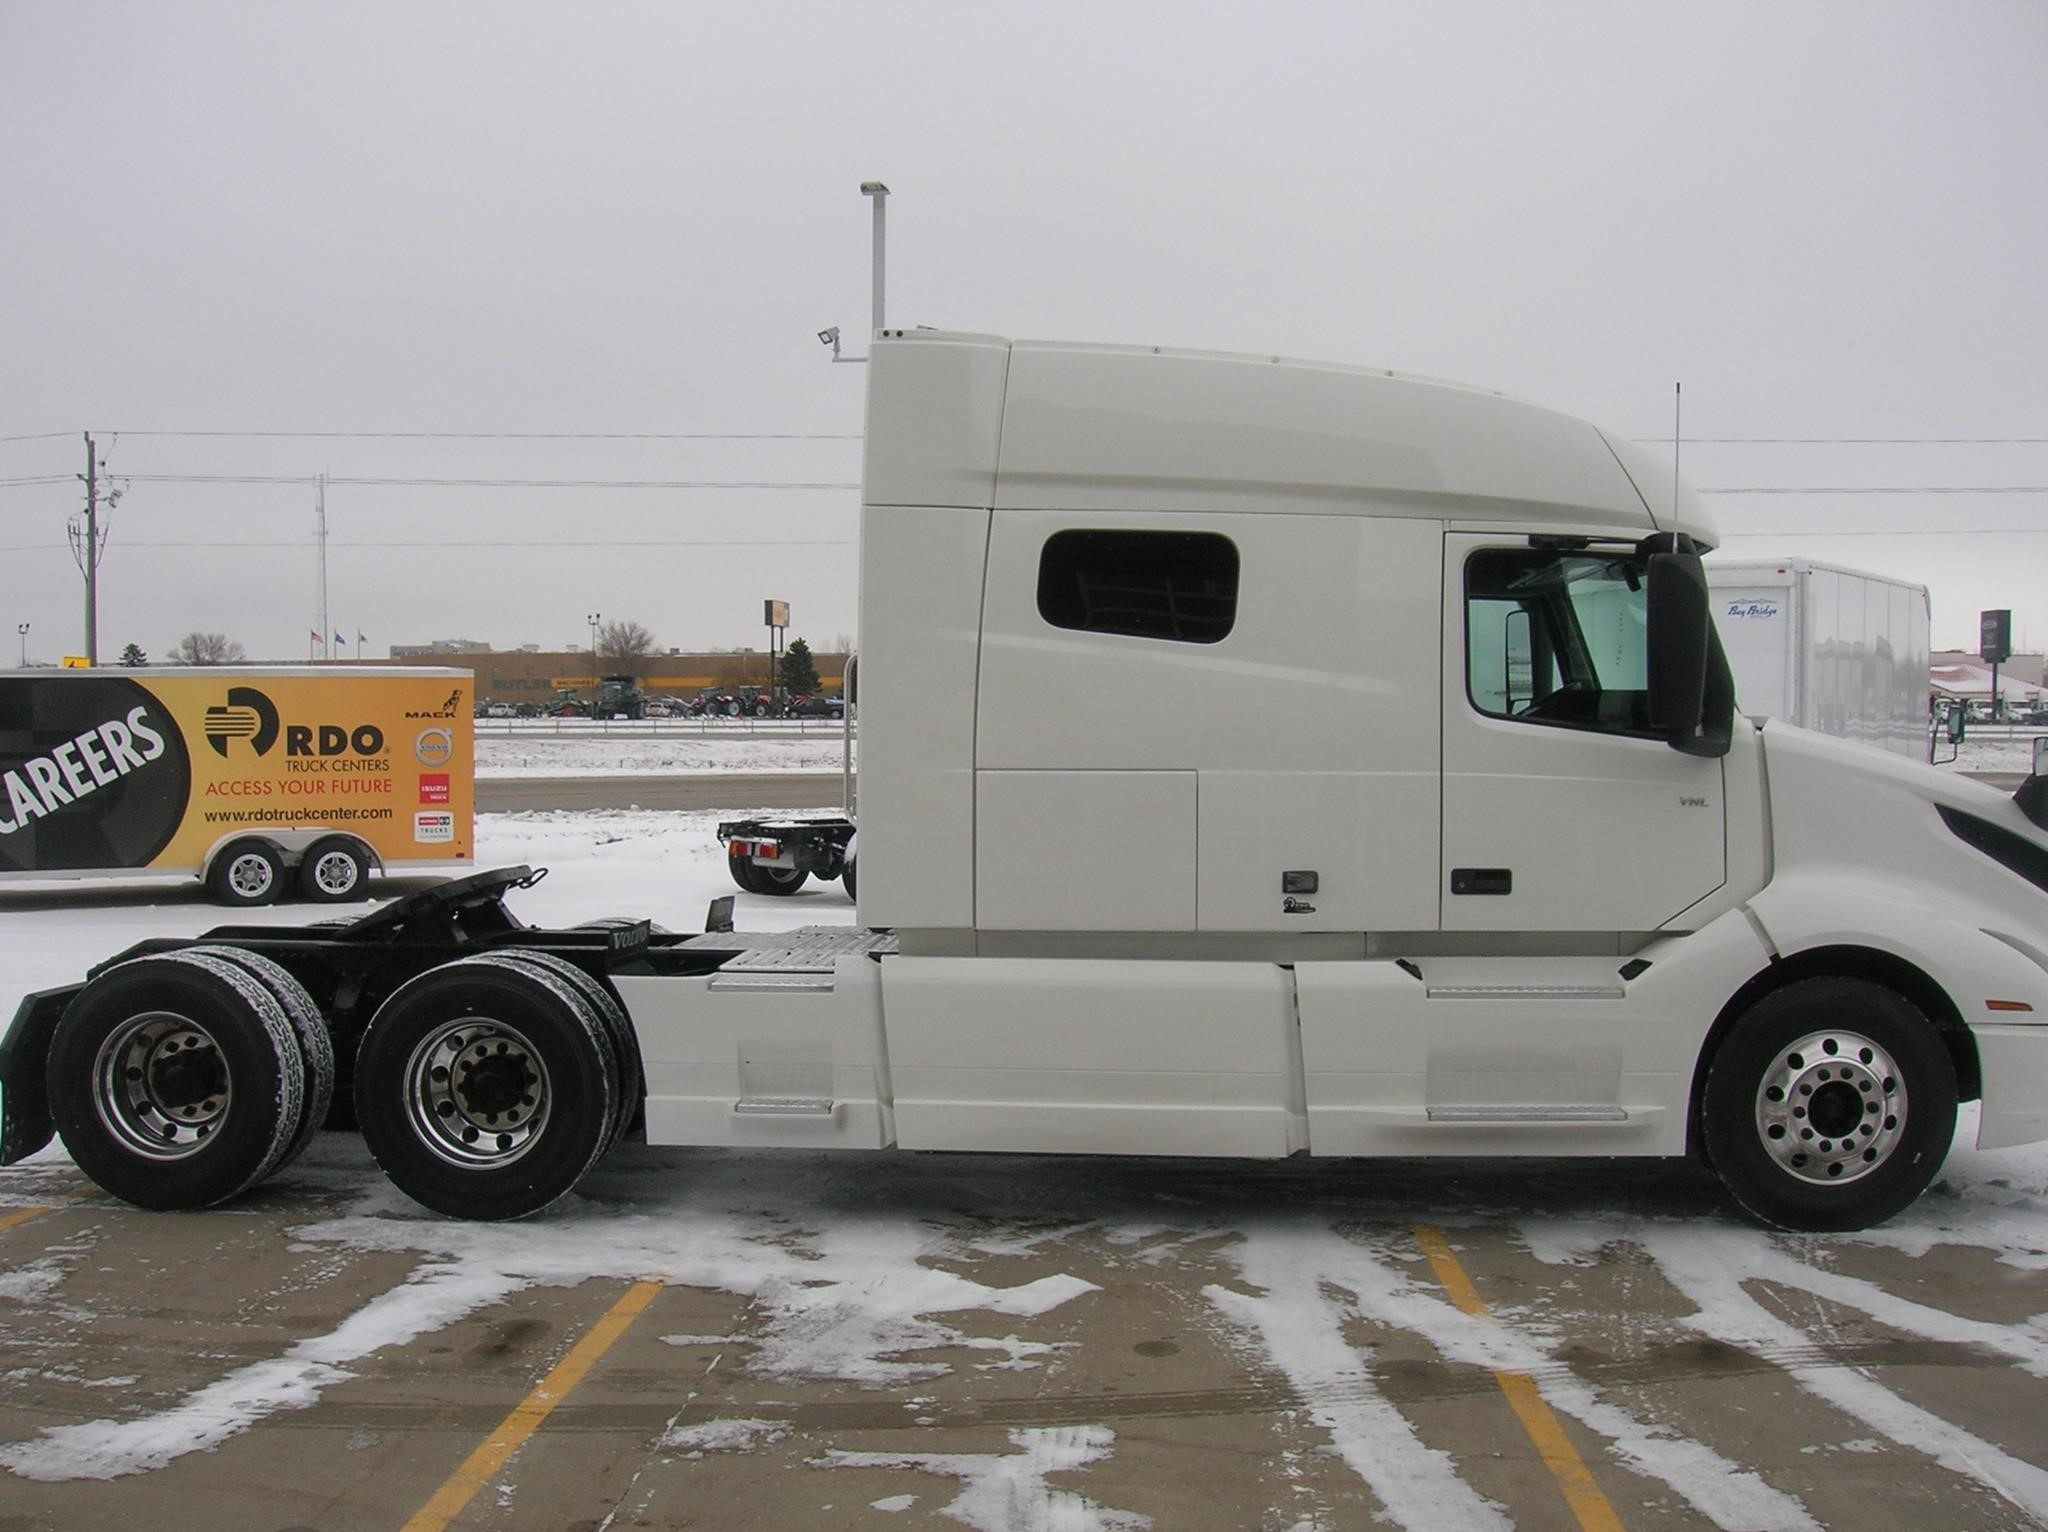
[487, 1087]
[179, 1081]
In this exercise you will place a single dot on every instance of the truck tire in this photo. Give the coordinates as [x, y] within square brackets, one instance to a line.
[599, 1001]
[846, 876]
[177, 1081]
[484, 1090]
[1829, 1105]
[247, 872]
[316, 1043]
[334, 870]
[742, 872]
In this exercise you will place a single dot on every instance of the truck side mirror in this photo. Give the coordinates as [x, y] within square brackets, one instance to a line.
[1692, 696]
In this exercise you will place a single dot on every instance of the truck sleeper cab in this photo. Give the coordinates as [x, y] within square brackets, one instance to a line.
[1258, 758]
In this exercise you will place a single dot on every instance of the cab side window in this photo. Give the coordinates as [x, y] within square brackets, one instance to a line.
[1558, 637]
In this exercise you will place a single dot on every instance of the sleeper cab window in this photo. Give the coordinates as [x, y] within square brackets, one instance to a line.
[1179, 586]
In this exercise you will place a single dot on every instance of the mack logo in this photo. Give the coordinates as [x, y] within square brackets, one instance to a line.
[248, 715]
[452, 708]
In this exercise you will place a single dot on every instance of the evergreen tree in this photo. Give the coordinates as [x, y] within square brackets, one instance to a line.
[133, 655]
[799, 670]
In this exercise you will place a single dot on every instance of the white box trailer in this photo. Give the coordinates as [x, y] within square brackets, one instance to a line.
[1835, 650]
[1169, 844]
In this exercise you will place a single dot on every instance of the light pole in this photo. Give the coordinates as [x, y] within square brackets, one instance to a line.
[22, 629]
[593, 618]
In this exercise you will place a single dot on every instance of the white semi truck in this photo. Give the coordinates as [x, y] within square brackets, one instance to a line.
[1260, 758]
[1835, 650]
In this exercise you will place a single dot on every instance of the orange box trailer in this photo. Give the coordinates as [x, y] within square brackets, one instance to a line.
[261, 780]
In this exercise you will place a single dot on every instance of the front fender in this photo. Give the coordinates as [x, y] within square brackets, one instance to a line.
[1994, 976]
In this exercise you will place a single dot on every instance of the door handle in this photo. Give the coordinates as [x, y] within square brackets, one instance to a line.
[1482, 880]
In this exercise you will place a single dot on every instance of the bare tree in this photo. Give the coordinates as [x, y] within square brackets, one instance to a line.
[207, 649]
[624, 648]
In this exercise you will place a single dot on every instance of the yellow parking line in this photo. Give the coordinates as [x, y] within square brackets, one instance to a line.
[512, 1432]
[1573, 1477]
[20, 1216]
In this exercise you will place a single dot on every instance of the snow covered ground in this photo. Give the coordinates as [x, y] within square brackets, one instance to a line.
[664, 747]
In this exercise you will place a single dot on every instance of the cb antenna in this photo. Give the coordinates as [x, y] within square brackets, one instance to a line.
[1677, 413]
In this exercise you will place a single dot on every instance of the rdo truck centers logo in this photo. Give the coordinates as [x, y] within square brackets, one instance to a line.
[250, 715]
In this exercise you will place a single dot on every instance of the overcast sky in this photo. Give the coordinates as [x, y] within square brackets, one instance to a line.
[628, 222]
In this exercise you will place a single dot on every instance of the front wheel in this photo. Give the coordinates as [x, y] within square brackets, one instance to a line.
[1829, 1105]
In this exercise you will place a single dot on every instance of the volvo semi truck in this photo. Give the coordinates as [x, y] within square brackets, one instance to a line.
[1259, 758]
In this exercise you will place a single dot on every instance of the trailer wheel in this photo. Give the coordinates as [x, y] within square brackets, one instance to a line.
[591, 993]
[485, 1091]
[742, 872]
[316, 1043]
[247, 872]
[846, 876]
[780, 881]
[334, 870]
[177, 1081]
[1829, 1106]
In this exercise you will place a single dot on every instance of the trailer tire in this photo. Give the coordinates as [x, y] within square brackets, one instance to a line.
[247, 873]
[309, 1027]
[846, 876]
[334, 870]
[599, 1000]
[177, 1081]
[779, 881]
[1829, 1105]
[486, 1090]
[742, 872]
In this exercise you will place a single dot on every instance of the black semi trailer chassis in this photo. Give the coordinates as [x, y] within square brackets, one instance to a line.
[487, 1063]
[778, 856]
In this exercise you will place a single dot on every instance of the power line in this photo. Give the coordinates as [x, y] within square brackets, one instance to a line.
[1847, 441]
[546, 545]
[519, 436]
[397, 481]
[1878, 489]
[1896, 532]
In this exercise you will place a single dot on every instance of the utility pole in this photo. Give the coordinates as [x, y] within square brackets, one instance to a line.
[86, 546]
[320, 533]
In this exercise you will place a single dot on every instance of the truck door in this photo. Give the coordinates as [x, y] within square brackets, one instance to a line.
[1563, 810]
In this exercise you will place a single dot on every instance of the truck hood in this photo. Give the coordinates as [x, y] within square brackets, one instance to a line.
[1951, 839]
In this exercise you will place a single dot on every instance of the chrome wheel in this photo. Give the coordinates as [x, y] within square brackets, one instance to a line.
[477, 1093]
[1831, 1108]
[160, 1086]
